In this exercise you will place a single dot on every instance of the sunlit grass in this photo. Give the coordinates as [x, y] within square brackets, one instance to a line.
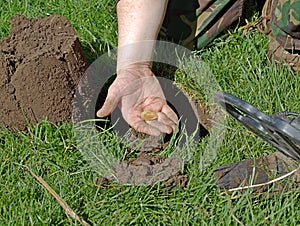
[240, 66]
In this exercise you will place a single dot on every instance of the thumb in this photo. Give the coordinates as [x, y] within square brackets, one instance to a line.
[108, 107]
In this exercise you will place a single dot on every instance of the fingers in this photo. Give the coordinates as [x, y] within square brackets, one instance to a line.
[170, 113]
[163, 124]
[109, 105]
[144, 127]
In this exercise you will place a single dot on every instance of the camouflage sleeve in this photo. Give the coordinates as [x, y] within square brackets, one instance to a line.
[195, 23]
[213, 17]
[179, 24]
[285, 23]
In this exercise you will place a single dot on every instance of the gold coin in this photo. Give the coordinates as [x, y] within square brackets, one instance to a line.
[148, 115]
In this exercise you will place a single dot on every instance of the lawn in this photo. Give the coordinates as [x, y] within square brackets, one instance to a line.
[239, 62]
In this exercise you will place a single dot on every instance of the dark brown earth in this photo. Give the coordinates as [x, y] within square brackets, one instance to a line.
[41, 62]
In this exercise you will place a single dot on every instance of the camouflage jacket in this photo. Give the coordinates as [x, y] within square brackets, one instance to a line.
[195, 23]
[285, 23]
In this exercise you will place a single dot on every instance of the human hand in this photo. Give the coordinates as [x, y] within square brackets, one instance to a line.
[136, 89]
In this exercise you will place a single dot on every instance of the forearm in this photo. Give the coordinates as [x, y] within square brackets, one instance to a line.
[139, 22]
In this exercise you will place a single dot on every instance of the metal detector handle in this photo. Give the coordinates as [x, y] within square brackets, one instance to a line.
[281, 132]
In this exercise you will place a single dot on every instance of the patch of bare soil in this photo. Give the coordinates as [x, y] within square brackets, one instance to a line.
[148, 169]
[41, 62]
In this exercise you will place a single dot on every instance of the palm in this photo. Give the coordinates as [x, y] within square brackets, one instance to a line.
[135, 94]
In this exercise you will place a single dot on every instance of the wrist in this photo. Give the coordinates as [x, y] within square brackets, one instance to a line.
[137, 70]
[135, 55]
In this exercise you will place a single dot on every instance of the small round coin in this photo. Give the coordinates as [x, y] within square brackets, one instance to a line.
[148, 115]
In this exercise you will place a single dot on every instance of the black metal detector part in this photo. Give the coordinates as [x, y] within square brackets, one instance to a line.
[281, 130]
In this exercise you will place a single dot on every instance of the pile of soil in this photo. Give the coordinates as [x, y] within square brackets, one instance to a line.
[41, 63]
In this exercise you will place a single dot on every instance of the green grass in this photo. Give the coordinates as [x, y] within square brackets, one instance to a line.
[240, 66]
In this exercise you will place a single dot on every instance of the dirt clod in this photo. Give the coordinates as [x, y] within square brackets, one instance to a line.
[102, 181]
[41, 63]
[259, 171]
[148, 169]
